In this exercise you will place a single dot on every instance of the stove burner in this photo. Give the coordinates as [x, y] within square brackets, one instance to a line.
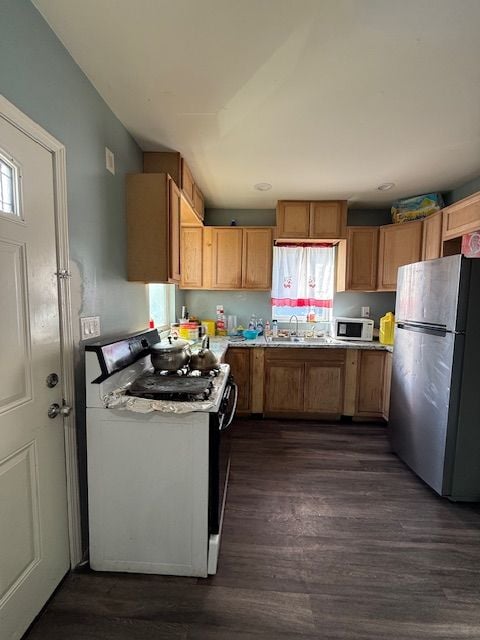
[155, 386]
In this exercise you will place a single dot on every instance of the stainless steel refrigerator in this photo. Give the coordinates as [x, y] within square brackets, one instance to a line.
[434, 423]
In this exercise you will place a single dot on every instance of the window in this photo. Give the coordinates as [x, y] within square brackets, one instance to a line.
[9, 192]
[162, 304]
[303, 280]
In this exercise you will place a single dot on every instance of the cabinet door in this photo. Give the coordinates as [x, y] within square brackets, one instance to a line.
[432, 237]
[284, 386]
[461, 217]
[187, 182]
[148, 232]
[370, 383]
[399, 244]
[174, 232]
[324, 387]
[226, 258]
[293, 219]
[257, 258]
[328, 219]
[239, 361]
[198, 202]
[191, 257]
[387, 382]
[362, 258]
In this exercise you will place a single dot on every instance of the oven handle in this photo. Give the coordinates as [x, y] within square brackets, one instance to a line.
[232, 385]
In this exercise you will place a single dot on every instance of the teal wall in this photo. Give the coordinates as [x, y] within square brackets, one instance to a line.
[39, 76]
[244, 303]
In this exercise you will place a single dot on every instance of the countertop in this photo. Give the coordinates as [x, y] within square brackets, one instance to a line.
[219, 345]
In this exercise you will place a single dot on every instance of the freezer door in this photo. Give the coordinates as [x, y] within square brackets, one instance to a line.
[430, 293]
[421, 402]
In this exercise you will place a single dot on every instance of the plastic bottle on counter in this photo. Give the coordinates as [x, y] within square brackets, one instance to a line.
[387, 328]
[260, 327]
[268, 330]
[253, 322]
[275, 328]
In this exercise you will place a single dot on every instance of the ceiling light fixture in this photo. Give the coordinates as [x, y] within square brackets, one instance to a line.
[262, 186]
[386, 186]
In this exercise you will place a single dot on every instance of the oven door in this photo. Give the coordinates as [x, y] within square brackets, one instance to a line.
[219, 458]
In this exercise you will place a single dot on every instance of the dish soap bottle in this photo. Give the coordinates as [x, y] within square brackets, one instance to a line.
[387, 328]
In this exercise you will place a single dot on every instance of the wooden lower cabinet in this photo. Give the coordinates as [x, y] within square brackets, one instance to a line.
[324, 387]
[370, 384]
[387, 383]
[241, 369]
[284, 386]
[312, 383]
[303, 382]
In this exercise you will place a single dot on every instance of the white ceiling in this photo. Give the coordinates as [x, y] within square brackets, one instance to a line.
[321, 98]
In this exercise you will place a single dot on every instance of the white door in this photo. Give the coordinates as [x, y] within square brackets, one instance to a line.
[34, 551]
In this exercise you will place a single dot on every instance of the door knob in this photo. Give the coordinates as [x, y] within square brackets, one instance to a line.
[55, 409]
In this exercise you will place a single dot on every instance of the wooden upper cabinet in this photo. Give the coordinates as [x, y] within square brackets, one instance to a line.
[399, 244]
[461, 217]
[226, 251]
[293, 219]
[317, 220]
[164, 162]
[257, 258]
[432, 236]
[238, 258]
[153, 219]
[328, 219]
[358, 259]
[191, 254]
[171, 162]
[174, 232]
[188, 184]
[198, 202]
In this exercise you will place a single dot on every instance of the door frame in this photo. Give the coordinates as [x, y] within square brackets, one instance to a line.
[11, 114]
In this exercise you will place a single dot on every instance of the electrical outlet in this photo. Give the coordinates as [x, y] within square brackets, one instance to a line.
[110, 160]
[89, 327]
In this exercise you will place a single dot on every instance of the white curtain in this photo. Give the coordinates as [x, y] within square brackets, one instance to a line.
[303, 278]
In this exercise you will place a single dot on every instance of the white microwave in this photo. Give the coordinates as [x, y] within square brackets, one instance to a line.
[353, 329]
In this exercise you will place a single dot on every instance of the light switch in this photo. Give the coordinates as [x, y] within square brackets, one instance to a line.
[89, 327]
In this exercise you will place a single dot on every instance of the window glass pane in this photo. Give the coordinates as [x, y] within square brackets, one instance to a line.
[8, 187]
[162, 303]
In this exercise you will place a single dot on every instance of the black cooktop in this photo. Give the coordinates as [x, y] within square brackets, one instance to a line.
[159, 387]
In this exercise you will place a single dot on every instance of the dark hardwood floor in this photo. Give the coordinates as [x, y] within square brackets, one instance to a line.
[326, 535]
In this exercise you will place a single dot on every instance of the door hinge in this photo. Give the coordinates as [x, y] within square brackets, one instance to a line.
[63, 274]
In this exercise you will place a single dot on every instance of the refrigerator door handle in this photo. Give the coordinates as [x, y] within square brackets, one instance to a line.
[434, 330]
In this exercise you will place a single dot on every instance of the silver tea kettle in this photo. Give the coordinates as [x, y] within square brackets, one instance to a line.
[204, 360]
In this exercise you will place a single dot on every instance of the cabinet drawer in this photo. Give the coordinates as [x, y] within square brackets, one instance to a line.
[273, 354]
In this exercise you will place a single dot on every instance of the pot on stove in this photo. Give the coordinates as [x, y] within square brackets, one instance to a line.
[204, 360]
[171, 354]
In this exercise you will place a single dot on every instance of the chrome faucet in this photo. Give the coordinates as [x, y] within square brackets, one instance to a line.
[290, 325]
